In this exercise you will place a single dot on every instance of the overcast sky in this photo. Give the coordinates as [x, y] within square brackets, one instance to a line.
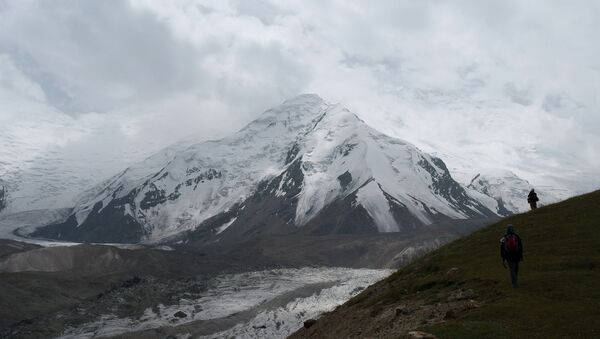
[509, 84]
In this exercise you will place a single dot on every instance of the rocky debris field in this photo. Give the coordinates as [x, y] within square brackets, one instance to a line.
[97, 290]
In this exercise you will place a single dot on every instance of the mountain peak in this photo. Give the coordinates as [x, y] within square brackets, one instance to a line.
[495, 173]
[298, 164]
[305, 98]
[510, 191]
[293, 115]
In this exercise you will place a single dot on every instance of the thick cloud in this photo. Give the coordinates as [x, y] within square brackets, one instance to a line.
[507, 84]
[96, 56]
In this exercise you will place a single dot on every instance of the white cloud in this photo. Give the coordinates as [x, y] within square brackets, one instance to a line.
[489, 84]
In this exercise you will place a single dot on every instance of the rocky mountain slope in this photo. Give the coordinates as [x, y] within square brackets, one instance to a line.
[305, 166]
[462, 291]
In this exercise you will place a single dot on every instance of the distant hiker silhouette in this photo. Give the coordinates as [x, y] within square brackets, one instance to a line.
[511, 251]
[532, 199]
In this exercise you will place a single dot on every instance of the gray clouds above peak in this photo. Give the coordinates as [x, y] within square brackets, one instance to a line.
[517, 80]
[99, 54]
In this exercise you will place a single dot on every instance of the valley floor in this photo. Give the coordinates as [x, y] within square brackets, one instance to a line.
[263, 288]
[269, 303]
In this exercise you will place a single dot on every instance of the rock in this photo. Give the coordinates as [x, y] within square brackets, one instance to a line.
[400, 310]
[309, 323]
[472, 304]
[403, 309]
[180, 314]
[452, 270]
[131, 282]
[462, 295]
[421, 335]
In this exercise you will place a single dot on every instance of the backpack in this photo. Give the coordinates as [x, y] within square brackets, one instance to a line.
[511, 243]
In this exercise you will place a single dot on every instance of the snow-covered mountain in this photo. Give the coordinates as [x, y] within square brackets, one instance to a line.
[36, 175]
[510, 191]
[304, 166]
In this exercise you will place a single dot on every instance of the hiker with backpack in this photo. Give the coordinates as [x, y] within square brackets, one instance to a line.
[511, 251]
[532, 199]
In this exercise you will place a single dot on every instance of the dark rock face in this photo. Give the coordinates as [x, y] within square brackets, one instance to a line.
[345, 179]
[446, 187]
[343, 216]
[270, 210]
[106, 225]
[480, 184]
[2, 198]
[502, 210]
[292, 153]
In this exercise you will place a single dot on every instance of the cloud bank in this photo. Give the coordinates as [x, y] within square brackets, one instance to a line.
[99, 84]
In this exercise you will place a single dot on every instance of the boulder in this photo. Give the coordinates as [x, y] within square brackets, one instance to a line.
[421, 335]
[180, 314]
[404, 309]
[462, 295]
[309, 323]
[452, 270]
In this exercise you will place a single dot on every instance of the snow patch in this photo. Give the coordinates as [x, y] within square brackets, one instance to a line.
[225, 226]
[378, 207]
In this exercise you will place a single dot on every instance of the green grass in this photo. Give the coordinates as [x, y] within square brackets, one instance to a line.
[559, 281]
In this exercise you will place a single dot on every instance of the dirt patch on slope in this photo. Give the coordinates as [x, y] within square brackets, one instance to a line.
[398, 320]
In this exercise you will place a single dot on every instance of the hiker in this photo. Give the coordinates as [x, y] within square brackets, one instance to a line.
[532, 199]
[511, 251]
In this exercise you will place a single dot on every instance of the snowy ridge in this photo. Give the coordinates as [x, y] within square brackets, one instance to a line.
[123, 182]
[510, 191]
[174, 192]
[315, 153]
[378, 166]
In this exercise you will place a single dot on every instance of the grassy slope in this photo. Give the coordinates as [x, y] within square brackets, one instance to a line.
[558, 294]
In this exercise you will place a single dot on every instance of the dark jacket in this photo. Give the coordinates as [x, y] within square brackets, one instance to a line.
[516, 256]
[532, 197]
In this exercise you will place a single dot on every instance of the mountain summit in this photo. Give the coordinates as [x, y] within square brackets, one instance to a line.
[305, 166]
